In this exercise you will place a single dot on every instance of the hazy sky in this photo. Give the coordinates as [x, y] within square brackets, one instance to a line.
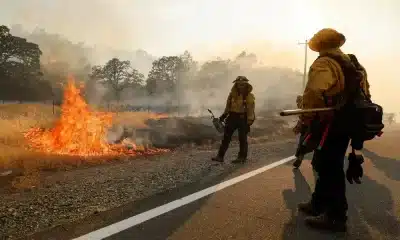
[208, 28]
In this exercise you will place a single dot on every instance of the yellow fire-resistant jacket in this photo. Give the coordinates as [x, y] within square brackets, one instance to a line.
[235, 103]
[325, 78]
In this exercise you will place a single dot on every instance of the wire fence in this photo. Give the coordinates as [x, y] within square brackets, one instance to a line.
[173, 110]
[45, 102]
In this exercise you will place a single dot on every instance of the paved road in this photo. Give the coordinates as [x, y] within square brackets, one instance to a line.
[264, 206]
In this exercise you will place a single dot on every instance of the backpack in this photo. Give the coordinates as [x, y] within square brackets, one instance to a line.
[360, 118]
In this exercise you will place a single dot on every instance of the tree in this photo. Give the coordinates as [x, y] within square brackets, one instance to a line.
[20, 75]
[118, 75]
[245, 60]
[187, 61]
[217, 73]
[189, 71]
[16, 49]
[60, 57]
[164, 75]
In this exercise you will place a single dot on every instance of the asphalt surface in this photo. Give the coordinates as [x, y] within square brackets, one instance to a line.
[264, 206]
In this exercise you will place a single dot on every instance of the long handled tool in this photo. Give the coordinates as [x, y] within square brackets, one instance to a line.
[291, 112]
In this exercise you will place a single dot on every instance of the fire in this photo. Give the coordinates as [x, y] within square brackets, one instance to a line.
[80, 131]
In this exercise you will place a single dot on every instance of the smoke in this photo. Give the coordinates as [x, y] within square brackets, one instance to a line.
[273, 89]
[218, 28]
[205, 86]
[97, 22]
[86, 33]
[95, 93]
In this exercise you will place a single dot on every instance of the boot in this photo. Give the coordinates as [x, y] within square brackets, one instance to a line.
[297, 162]
[323, 222]
[218, 159]
[239, 160]
[308, 209]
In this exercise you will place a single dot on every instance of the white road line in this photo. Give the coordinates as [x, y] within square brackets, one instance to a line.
[155, 212]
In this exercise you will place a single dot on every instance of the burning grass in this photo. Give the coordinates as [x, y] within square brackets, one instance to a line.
[81, 131]
[32, 138]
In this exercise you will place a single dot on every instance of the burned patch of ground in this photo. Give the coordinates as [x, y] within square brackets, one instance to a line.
[175, 132]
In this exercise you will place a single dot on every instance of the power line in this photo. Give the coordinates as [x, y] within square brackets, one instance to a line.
[305, 61]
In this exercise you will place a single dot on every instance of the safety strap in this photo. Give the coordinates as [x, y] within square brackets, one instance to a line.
[244, 105]
[345, 67]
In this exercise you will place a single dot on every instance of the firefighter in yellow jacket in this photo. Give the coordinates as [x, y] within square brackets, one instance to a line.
[299, 128]
[327, 208]
[239, 114]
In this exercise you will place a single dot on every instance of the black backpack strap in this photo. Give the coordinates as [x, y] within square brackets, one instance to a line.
[347, 67]
[245, 106]
[351, 74]
[246, 109]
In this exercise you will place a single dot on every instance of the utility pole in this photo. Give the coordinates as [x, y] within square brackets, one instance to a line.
[305, 62]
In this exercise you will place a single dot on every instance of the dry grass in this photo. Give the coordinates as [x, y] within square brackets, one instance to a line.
[135, 119]
[16, 119]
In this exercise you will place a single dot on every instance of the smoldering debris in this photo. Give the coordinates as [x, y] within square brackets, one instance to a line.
[129, 137]
[174, 132]
[115, 134]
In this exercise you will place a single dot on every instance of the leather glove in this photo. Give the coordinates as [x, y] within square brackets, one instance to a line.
[223, 117]
[355, 171]
[357, 144]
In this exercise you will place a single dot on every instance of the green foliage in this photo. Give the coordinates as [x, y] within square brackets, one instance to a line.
[118, 75]
[214, 74]
[164, 75]
[20, 75]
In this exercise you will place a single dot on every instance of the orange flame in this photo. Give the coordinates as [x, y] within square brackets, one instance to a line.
[79, 131]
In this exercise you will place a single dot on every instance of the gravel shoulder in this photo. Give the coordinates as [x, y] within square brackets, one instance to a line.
[67, 196]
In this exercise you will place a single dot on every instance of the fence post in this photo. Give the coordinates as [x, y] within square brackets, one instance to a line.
[53, 101]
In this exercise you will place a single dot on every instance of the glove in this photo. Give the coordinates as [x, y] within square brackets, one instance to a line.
[223, 117]
[357, 144]
[355, 171]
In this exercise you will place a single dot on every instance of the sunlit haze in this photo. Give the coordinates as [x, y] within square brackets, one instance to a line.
[271, 29]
